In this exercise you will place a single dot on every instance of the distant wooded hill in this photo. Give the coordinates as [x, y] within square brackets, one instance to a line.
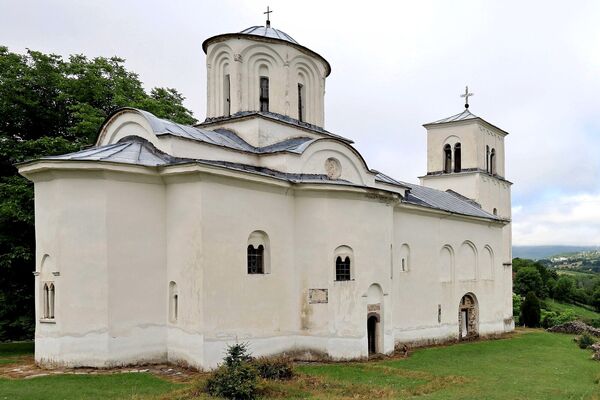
[540, 252]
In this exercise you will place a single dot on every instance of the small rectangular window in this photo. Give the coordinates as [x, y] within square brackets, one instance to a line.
[264, 93]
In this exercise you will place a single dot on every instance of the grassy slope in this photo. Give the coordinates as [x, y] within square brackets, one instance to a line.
[67, 387]
[582, 312]
[532, 365]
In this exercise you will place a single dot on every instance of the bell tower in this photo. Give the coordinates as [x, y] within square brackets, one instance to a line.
[465, 154]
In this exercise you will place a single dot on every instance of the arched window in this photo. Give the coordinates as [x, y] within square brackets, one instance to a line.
[457, 166]
[258, 253]
[264, 93]
[342, 268]
[226, 95]
[487, 159]
[447, 159]
[404, 258]
[301, 101]
[46, 301]
[495, 211]
[344, 257]
[173, 302]
[51, 301]
[493, 162]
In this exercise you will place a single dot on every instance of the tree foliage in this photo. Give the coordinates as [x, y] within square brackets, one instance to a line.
[49, 106]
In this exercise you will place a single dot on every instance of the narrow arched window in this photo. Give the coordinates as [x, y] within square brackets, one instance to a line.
[301, 100]
[264, 93]
[173, 302]
[457, 165]
[495, 211]
[226, 95]
[342, 268]
[256, 259]
[51, 295]
[493, 162]
[46, 301]
[487, 159]
[447, 158]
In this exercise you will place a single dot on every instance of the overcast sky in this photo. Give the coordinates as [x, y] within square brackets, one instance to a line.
[534, 67]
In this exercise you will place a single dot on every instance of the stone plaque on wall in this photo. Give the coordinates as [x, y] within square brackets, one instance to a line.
[316, 296]
[373, 307]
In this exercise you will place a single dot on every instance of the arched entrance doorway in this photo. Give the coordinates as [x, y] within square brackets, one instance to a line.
[468, 317]
[372, 333]
[374, 319]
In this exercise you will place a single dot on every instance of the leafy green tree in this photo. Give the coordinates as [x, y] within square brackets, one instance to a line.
[516, 301]
[530, 311]
[528, 279]
[49, 106]
[565, 289]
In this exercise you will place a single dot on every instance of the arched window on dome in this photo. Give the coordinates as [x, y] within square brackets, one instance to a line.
[226, 95]
[457, 166]
[264, 93]
[447, 159]
[301, 101]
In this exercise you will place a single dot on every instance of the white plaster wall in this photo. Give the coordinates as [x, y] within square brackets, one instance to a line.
[418, 292]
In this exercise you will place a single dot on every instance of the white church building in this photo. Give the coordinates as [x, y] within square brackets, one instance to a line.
[166, 242]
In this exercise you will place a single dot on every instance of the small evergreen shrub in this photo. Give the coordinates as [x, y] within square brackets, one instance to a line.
[274, 368]
[237, 378]
[585, 341]
[530, 311]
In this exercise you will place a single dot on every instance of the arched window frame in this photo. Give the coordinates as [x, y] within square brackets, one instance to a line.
[258, 254]
[344, 268]
[457, 158]
[447, 159]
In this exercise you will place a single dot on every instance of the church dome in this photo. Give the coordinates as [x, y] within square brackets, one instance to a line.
[267, 31]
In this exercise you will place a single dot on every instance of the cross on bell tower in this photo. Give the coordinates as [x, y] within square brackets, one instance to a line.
[466, 96]
[268, 12]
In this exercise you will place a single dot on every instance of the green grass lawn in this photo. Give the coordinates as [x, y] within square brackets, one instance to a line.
[582, 312]
[11, 352]
[530, 365]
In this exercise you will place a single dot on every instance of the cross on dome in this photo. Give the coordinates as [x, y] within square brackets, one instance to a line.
[268, 12]
[466, 95]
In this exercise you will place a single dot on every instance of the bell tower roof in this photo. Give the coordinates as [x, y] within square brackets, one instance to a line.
[466, 115]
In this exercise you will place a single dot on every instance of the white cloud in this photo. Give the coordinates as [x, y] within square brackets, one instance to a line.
[570, 219]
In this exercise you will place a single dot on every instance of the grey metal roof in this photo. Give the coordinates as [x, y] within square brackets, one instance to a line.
[221, 137]
[432, 198]
[135, 150]
[129, 150]
[275, 116]
[269, 32]
[463, 116]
